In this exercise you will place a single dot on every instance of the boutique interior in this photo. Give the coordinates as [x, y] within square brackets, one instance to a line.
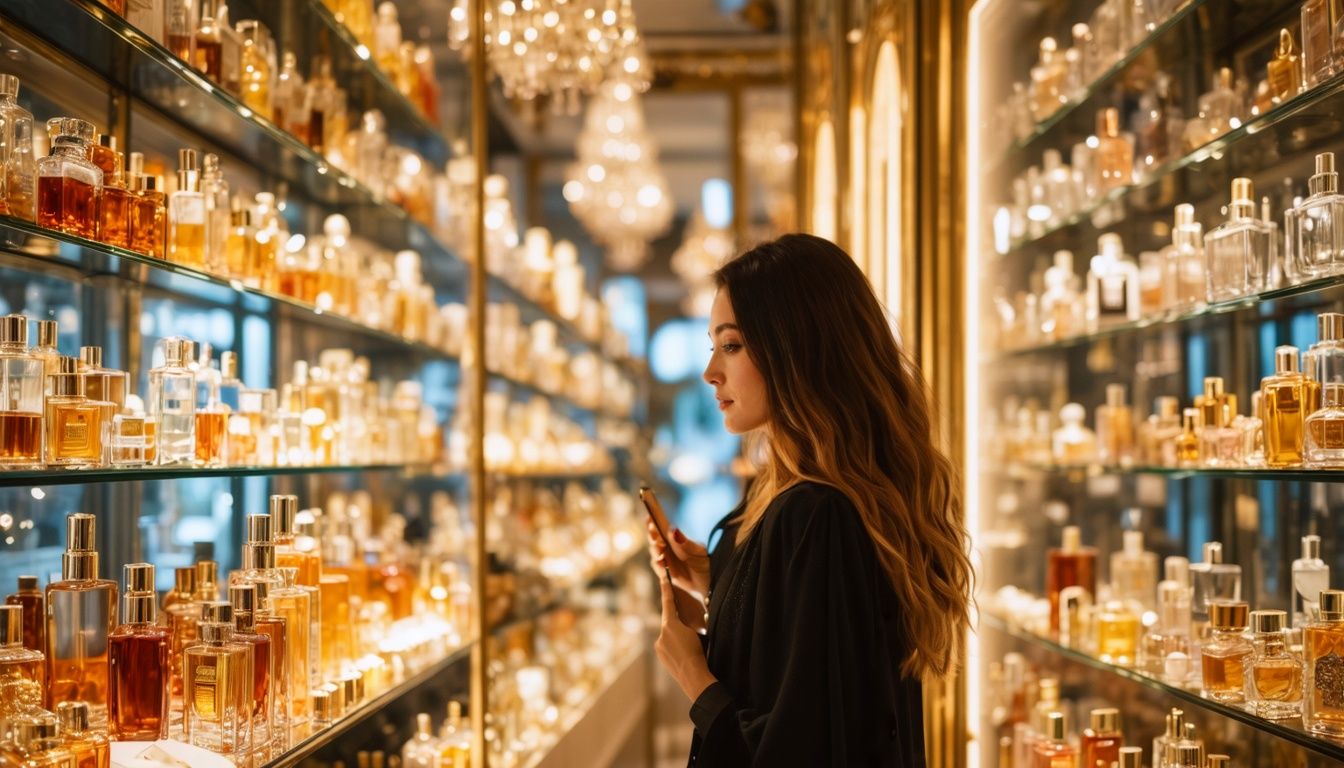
[339, 337]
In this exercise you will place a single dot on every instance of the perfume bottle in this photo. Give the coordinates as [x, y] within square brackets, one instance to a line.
[30, 598]
[1073, 443]
[1118, 629]
[218, 694]
[1219, 443]
[1311, 576]
[20, 668]
[1324, 444]
[1323, 652]
[1184, 259]
[76, 427]
[1219, 112]
[215, 193]
[212, 416]
[21, 397]
[1070, 565]
[455, 736]
[148, 211]
[1275, 681]
[1102, 739]
[1134, 574]
[1112, 284]
[206, 40]
[114, 204]
[275, 629]
[307, 566]
[289, 106]
[181, 615]
[102, 384]
[48, 333]
[1238, 251]
[1282, 396]
[81, 613]
[1156, 442]
[139, 673]
[1226, 654]
[172, 402]
[1211, 580]
[1324, 361]
[1054, 749]
[294, 603]
[35, 742]
[230, 50]
[1319, 59]
[68, 184]
[1252, 429]
[1115, 153]
[422, 751]
[320, 103]
[16, 152]
[1061, 307]
[133, 436]
[1320, 223]
[1115, 428]
[187, 214]
[387, 38]
[257, 67]
[1284, 71]
[243, 598]
[1186, 445]
[242, 257]
[1170, 635]
[179, 28]
[90, 747]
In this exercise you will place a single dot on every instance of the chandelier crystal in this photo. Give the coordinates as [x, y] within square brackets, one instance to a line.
[562, 49]
[616, 188]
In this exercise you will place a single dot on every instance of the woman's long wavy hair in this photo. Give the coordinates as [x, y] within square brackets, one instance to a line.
[848, 409]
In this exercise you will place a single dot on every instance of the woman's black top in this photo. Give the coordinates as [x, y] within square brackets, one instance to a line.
[804, 641]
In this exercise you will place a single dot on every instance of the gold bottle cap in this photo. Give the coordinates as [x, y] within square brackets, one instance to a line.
[1332, 604]
[1213, 552]
[243, 597]
[216, 633]
[259, 556]
[139, 577]
[1171, 592]
[34, 726]
[1175, 723]
[337, 694]
[1243, 191]
[321, 704]
[73, 716]
[1325, 161]
[9, 86]
[14, 329]
[91, 357]
[283, 509]
[1176, 568]
[67, 384]
[259, 530]
[1131, 757]
[1168, 407]
[48, 332]
[1183, 754]
[1055, 727]
[1108, 122]
[1213, 386]
[1229, 614]
[1217, 761]
[1071, 539]
[263, 591]
[1311, 547]
[1185, 215]
[351, 686]
[27, 583]
[1225, 77]
[1190, 419]
[184, 580]
[188, 178]
[1267, 622]
[216, 612]
[207, 572]
[80, 559]
[11, 625]
[1285, 359]
[1105, 719]
[210, 164]
[139, 608]
[149, 183]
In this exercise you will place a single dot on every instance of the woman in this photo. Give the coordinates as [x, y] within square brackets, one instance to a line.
[843, 577]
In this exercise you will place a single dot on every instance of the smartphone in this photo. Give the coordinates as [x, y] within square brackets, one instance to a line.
[659, 518]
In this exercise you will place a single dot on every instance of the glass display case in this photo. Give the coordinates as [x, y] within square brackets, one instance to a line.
[1153, 287]
[240, 250]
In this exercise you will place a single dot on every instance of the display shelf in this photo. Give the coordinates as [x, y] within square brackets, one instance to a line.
[369, 707]
[1312, 291]
[1289, 730]
[1232, 154]
[13, 478]
[514, 620]
[1178, 473]
[598, 728]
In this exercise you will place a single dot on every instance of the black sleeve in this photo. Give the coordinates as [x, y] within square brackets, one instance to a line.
[816, 647]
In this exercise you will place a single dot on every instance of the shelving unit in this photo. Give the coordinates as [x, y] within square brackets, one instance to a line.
[1016, 508]
[76, 57]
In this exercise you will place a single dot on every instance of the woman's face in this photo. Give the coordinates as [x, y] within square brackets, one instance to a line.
[738, 384]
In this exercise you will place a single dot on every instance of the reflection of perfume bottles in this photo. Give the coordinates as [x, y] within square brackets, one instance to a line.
[1069, 565]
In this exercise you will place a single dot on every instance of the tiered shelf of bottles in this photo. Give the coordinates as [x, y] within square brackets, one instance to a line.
[98, 45]
[1230, 338]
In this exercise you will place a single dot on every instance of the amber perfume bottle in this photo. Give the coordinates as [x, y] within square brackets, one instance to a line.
[1283, 402]
[1115, 153]
[179, 28]
[35, 742]
[1053, 750]
[68, 184]
[102, 384]
[30, 598]
[81, 613]
[1275, 683]
[274, 628]
[243, 598]
[218, 694]
[294, 604]
[1323, 685]
[207, 56]
[181, 615]
[186, 214]
[114, 202]
[1284, 70]
[20, 667]
[1187, 442]
[1101, 741]
[90, 747]
[21, 397]
[139, 678]
[1319, 59]
[76, 427]
[1070, 565]
[1115, 428]
[148, 214]
[1226, 657]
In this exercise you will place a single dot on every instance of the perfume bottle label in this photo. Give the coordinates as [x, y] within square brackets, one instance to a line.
[1329, 677]
[205, 693]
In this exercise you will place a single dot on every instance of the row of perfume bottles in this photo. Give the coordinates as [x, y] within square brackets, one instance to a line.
[289, 652]
[37, 738]
[450, 747]
[529, 437]
[63, 412]
[242, 59]
[1033, 719]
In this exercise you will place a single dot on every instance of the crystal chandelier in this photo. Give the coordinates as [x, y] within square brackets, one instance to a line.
[616, 188]
[556, 48]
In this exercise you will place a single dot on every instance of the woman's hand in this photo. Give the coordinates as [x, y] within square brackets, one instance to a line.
[679, 650]
[689, 565]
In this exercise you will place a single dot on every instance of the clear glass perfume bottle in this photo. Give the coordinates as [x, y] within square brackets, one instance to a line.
[68, 184]
[1323, 657]
[1211, 580]
[293, 604]
[1226, 655]
[1115, 428]
[187, 214]
[172, 402]
[1324, 361]
[243, 598]
[81, 613]
[1311, 576]
[16, 152]
[139, 673]
[1070, 565]
[1283, 400]
[1185, 267]
[422, 751]
[215, 192]
[1324, 444]
[1048, 79]
[21, 669]
[1252, 429]
[307, 566]
[1073, 443]
[455, 736]
[218, 697]
[1238, 251]
[1219, 443]
[35, 742]
[21, 397]
[1115, 153]
[76, 427]
[1173, 734]
[1320, 223]
[1134, 574]
[1171, 633]
[1319, 58]
[1275, 681]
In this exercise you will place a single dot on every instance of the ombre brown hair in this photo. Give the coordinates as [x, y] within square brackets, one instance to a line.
[848, 409]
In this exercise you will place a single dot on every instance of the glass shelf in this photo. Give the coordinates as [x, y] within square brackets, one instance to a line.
[1257, 302]
[370, 706]
[1178, 473]
[1289, 730]
[44, 477]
